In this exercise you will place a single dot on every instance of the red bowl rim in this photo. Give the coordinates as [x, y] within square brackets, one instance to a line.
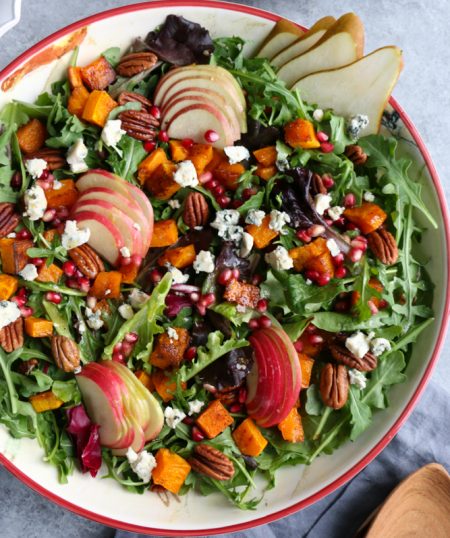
[412, 402]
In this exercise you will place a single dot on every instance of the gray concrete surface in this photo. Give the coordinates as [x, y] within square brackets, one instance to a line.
[419, 27]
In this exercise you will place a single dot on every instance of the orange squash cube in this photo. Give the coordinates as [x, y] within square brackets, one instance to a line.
[291, 427]
[368, 217]
[265, 172]
[229, 174]
[149, 165]
[306, 366]
[300, 134]
[106, 285]
[77, 101]
[214, 419]
[249, 439]
[304, 254]
[164, 386]
[179, 257]
[97, 108]
[161, 184]
[266, 156]
[201, 155]
[177, 151]
[38, 327]
[262, 234]
[45, 401]
[165, 233]
[8, 286]
[145, 379]
[51, 273]
[98, 75]
[65, 196]
[171, 470]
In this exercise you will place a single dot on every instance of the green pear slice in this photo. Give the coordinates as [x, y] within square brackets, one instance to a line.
[341, 44]
[282, 35]
[362, 87]
[304, 42]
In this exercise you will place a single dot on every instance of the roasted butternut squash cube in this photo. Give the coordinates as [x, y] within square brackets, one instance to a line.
[8, 286]
[98, 75]
[368, 217]
[13, 253]
[304, 254]
[266, 156]
[145, 379]
[262, 235]
[38, 327]
[165, 233]
[179, 257]
[65, 196]
[306, 366]
[265, 172]
[77, 101]
[161, 184]
[291, 427]
[201, 155]
[106, 285]
[229, 174]
[214, 420]
[300, 134]
[31, 136]
[171, 470]
[169, 350]
[97, 108]
[50, 273]
[177, 151]
[249, 439]
[165, 386]
[45, 401]
[149, 165]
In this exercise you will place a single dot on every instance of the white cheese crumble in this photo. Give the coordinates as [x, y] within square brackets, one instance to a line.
[255, 216]
[369, 196]
[12, 235]
[322, 203]
[76, 157]
[35, 167]
[9, 312]
[142, 463]
[74, 237]
[93, 319]
[186, 174]
[279, 259]
[278, 219]
[35, 203]
[195, 407]
[204, 262]
[335, 212]
[358, 344]
[112, 133]
[357, 378]
[57, 185]
[125, 252]
[356, 124]
[178, 277]
[333, 247]
[29, 272]
[80, 326]
[173, 416]
[174, 204]
[172, 333]
[318, 114]
[126, 311]
[379, 345]
[236, 154]
[138, 298]
[246, 245]
[226, 224]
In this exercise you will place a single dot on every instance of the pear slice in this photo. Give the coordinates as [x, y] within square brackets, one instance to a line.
[341, 44]
[283, 34]
[304, 42]
[362, 87]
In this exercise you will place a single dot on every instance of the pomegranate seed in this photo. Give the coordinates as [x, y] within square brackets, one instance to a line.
[235, 273]
[26, 311]
[136, 260]
[24, 234]
[248, 193]
[118, 357]
[326, 147]
[211, 184]
[45, 174]
[349, 200]
[155, 112]
[341, 306]
[53, 297]
[155, 275]
[16, 181]
[340, 222]
[257, 279]
[340, 272]
[355, 254]
[197, 435]
[72, 283]
[194, 297]
[22, 292]
[78, 274]
[303, 236]
[124, 262]
[359, 242]
[205, 177]
[236, 408]
[236, 203]
[382, 304]
[69, 268]
[84, 284]
[327, 181]
[265, 322]
[351, 227]
[261, 305]
[316, 230]
[49, 215]
[298, 346]
[62, 212]
[253, 324]
[242, 395]
[209, 299]
[38, 262]
[149, 146]
[131, 338]
[224, 277]
[59, 226]
[187, 143]
[312, 275]
[118, 347]
[127, 349]
[45, 184]
[310, 329]
[224, 201]
[20, 301]
[190, 353]
[201, 309]
[373, 308]
[211, 136]
[315, 339]
[338, 260]
[188, 420]
[218, 191]
[45, 367]
[322, 137]
[323, 280]
[163, 136]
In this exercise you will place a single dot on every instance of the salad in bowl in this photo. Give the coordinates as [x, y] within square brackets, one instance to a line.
[208, 260]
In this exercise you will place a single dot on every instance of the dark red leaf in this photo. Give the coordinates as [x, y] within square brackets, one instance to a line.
[86, 439]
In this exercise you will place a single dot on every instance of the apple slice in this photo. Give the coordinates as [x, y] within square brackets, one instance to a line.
[362, 87]
[193, 122]
[304, 42]
[341, 44]
[126, 204]
[282, 35]
[106, 239]
[190, 99]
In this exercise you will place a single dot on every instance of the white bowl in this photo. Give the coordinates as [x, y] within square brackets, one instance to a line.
[297, 487]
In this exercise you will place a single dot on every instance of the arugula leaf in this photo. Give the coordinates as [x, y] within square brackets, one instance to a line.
[112, 55]
[361, 415]
[254, 202]
[314, 405]
[305, 299]
[133, 153]
[388, 372]
[335, 322]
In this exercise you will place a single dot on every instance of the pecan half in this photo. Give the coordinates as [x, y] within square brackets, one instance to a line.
[196, 210]
[383, 245]
[136, 62]
[87, 260]
[211, 462]
[11, 336]
[65, 353]
[356, 154]
[131, 97]
[343, 356]
[138, 124]
[334, 385]
[54, 157]
[9, 219]
[318, 186]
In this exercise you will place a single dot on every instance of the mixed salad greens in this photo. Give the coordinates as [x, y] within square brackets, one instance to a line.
[288, 235]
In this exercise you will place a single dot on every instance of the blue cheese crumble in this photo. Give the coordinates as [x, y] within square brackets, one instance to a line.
[74, 237]
[35, 203]
[204, 262]
[9, 313]
[185, 174]
[356, 124]
[226, 224]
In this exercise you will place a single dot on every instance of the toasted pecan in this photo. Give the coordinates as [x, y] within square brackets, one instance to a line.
[86, 260]
[196, 210]
[65, 353]
[11, 336]
[211, 462]
[136, 62]
[334, 385]
[9, 219]
[383, 245]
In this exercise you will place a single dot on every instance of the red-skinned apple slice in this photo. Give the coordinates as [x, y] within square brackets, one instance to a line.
[105, 238]
[193, 122]
[126, 204]
[131, 237]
